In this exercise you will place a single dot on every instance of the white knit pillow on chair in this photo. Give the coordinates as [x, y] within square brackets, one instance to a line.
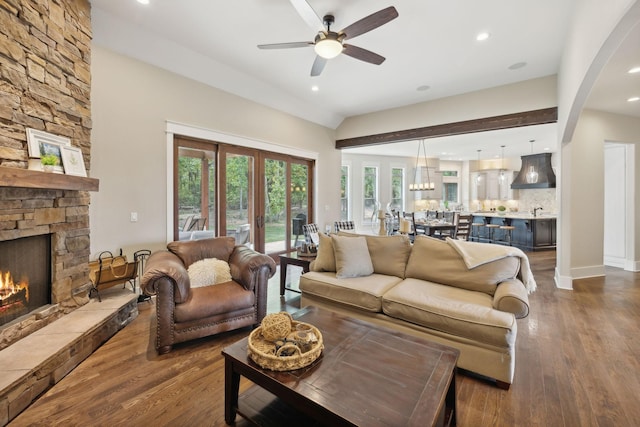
[208, 271]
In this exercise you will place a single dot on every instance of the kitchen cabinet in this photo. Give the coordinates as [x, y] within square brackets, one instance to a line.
[487, 185]
[478, 186]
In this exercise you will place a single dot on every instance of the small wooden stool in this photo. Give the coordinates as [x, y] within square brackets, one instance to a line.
[475, 230]
[492, 228]
[507, 232]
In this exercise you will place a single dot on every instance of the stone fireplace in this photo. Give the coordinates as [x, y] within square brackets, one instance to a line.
[62, 217]
[45, 84]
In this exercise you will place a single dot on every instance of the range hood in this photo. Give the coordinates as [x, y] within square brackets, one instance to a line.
[536, 172]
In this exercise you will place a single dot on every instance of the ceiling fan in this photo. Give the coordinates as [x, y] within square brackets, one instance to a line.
[329, 44]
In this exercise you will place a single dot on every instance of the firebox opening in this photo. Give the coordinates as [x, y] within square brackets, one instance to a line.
[25, 276]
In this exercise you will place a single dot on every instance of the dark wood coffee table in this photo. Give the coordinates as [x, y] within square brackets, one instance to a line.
[367, 376]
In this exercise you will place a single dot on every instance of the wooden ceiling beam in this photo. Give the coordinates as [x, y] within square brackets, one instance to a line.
[507, 121]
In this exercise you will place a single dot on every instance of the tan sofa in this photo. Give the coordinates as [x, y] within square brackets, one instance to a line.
[428, 290]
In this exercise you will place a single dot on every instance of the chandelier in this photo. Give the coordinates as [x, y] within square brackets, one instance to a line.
[421, 185]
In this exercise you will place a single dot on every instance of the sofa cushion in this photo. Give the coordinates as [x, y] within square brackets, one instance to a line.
[435, 260]
[208, 271]
[455, 311]
[190, 251]
[389, 254]
[352, 257]
[325, 259]
[361, 292]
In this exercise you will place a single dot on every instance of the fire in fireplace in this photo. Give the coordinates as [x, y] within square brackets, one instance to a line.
[25, 276]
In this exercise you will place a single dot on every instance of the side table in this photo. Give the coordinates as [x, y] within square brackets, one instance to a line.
[292, 258]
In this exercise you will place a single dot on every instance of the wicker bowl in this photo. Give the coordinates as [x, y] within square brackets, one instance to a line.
[264, 352]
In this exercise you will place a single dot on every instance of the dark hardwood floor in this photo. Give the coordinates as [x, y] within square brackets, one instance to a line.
[577, 364]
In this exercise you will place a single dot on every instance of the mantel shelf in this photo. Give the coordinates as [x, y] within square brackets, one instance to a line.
[25, 178]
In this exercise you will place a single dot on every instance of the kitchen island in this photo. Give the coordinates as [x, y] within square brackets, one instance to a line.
[530, 233]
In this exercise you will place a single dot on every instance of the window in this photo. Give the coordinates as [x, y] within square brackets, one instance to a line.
[344, 193]
[370, 192]
[450, 186]
[451, 192]
[397, 189]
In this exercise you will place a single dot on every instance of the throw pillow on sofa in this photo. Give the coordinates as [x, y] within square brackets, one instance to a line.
[208, 271]
[325, 258]
[389, 254]
[352, 257]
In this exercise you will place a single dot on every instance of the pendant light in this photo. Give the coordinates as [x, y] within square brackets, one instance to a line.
[478, 177]
[532, 173]
[503, 175]
[420, 185]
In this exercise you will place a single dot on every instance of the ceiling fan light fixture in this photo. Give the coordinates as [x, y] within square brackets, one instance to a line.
[328, 48]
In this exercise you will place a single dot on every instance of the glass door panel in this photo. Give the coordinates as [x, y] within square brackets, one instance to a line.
[275, 205]
[299, 201]
[239, 196]
[195, 188]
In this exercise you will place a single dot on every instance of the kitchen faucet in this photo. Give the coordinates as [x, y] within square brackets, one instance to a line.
[535, 211]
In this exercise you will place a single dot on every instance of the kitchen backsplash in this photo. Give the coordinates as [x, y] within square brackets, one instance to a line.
[537, 197]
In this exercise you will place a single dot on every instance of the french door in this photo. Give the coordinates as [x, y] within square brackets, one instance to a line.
[260, 198]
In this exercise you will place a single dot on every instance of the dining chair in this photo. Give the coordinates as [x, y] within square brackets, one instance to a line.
[464, 227]
[343, 225]
[308, 230]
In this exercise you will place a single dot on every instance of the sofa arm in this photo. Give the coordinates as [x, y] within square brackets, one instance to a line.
[249, 267]
[166, 266]
[511, 296]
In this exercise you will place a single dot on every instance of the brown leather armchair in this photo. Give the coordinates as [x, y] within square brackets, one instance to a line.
[185, 313]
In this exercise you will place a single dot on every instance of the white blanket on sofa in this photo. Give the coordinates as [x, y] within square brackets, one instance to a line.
[475, 254]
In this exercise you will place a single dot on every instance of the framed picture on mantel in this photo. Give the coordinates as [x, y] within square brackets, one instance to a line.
[72, 161]
[41, 143]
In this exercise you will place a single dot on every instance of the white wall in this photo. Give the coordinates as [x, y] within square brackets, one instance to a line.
[530, 95]
[131, 102]
[582, 197]
[594, 34]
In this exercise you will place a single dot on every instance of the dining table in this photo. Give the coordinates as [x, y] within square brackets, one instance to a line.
[435, 228]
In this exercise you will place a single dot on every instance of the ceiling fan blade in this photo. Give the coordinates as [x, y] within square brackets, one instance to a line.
[318, 66]
[363, 54]
[370, 22]
[284, 45]
[308, 14]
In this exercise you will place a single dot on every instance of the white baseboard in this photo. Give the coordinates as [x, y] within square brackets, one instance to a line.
[632, 265]
[614, 261]
[563, 282]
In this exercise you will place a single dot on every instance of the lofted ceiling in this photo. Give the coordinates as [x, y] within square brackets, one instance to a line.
[431, 52]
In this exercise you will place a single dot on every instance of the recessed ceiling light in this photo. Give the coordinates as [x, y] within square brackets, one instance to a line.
[634, 70]
[517, 65]
[315, 88]
[423, 88]
[143, 1]
[482, 36]
[633, 99]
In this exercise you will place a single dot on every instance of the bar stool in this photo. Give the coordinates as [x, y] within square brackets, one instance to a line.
[507, 232]
[492, 228]
[475, 230]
